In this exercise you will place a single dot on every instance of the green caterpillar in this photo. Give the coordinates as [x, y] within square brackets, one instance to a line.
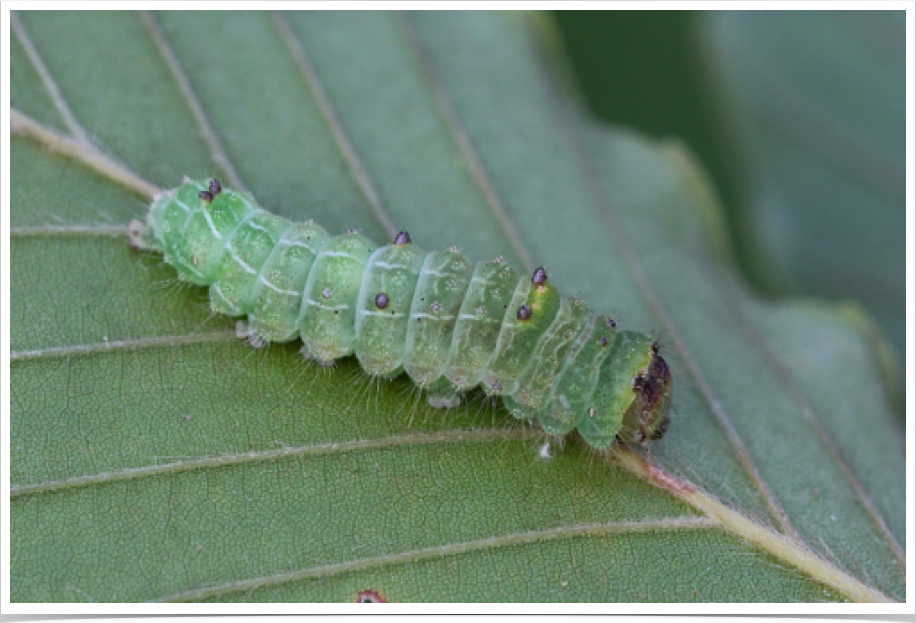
[449, 324]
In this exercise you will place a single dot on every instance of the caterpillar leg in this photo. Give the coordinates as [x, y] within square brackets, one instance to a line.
[141, 237]
[558, 423]
[519, 410]
[245, 331]
[442, 394]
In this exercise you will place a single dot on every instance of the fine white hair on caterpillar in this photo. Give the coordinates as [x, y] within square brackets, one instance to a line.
[447, 323]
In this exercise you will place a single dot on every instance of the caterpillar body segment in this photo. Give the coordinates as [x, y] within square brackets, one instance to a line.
[479, 322]
[277, 294]
[384, 306]
[441, 289]
[531, 312]
[328, 315]
[536, 384]
[449, 324]
[245, 253]
[573, 391]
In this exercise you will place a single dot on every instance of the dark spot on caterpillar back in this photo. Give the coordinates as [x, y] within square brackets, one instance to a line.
[215, 187]
[205, 195]
[539, 277]
[402, 238]
[524, 313]
[382, 301]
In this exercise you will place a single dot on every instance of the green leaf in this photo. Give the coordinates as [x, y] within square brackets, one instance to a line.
[156, 457]
[816, 104]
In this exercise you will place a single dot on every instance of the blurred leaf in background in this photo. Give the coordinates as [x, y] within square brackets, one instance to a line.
[800, 119]
[642, 69]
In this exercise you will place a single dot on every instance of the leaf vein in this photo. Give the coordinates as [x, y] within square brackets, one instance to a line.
[81, 151]
[68, 230]
[451, 549]
[116, 345]
[48, 80]
[786, 548]
[313, 81]
[209, 135]
[810, 416]
[254, 456]
[468, 151]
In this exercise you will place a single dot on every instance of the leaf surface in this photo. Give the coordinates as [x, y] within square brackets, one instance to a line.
[817, 100]
[156, 457]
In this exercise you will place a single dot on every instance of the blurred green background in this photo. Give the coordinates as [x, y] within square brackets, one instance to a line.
[643, 69]
[799, 118]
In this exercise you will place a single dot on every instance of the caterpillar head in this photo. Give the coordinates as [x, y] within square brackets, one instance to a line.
[648, 417]
[633, 396]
